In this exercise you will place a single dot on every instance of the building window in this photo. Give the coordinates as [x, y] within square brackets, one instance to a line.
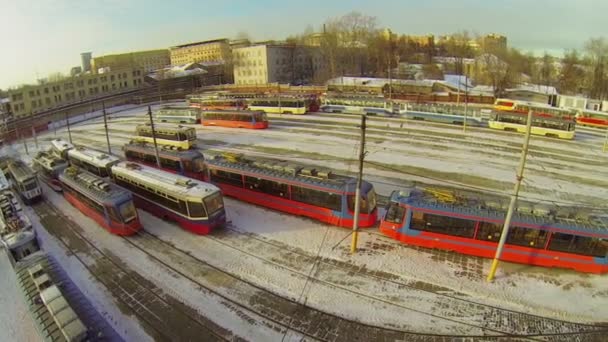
[46, 90]
[31, 93]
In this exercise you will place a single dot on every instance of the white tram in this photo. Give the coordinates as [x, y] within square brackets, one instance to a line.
[197, 206]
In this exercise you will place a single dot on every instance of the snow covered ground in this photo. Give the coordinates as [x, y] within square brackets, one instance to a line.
[16, 323]
[558, 171]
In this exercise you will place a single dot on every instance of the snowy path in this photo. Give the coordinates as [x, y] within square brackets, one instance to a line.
[521, 288]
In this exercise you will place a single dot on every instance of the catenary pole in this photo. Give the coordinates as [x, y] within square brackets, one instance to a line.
[466, 102]
[353, 246]
[35, 137]
[154, 137]
[605, 148]
[520, 176]
[105, 125]
[67, 121]
[24, 141]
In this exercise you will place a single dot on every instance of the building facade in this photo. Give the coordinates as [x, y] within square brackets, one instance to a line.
[148, 60]
[264, 63]
[31, 99]
[217, 50]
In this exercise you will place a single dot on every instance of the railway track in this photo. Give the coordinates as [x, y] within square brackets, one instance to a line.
[163, 317]
[454, 307]
[294, 317]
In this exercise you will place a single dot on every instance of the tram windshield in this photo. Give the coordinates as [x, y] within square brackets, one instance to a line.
[30, 184]
[127, 211]
[198, 164]
[214, 203]
[395, 213]
[367, 203]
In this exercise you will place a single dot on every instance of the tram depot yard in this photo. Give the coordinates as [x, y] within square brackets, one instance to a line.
[270, 276]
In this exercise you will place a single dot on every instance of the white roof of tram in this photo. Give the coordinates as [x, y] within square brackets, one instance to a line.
[4, 185]
[94, 157]
[61, 145]
[172, 183]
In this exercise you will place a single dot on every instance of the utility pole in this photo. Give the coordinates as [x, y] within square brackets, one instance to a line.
[24, 141]
[67, 121]
[105, 125]
[605, 148]
[466, 102]
[279, 95]
[353, 246]
[520, 177]
[35, 137]
[390, 81]
[154, 137]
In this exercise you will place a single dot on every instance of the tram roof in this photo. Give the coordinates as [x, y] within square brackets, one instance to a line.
[8, 199]
[93, 186]
[234, 112]
[162, 151]
[495, 208]
[4, 185]
[288, 171]
[19, 238]
[46, 160]
[91, 156]
[61, 145]
[172, 183]
[20, 171]
[164, 126]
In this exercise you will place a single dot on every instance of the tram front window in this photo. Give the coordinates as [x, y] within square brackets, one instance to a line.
[30, 185]
[127, 211]
[214, 203]
[395, 213]
[198, 164]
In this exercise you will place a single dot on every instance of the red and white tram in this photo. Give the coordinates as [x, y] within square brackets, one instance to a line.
[304, 191]
[107, 204]
[195, 205]
[541, 236]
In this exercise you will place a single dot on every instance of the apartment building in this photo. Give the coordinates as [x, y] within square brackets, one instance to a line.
[266, 63]
[217, 50]
[31, 99]
[149, 60]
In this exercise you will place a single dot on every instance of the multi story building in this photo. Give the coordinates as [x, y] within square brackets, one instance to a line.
[148, 60]
[30, 99]
[422, 41]
[217, 50]
[265, 63]
[493, 42]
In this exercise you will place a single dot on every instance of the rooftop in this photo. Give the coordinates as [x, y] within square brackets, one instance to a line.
[494, 208]
[200, 43]
[286, 170]
[172, 183]
[92, 186]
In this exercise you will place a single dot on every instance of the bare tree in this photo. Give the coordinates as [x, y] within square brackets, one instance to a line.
[570, 79]
[345, 43]
[458, 47]
[597, 53]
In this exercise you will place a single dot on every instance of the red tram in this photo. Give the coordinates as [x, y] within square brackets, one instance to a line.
[196, 206]
[235, 119]
[189, 163]
[295, 189]
[108, 205]
[468, 225]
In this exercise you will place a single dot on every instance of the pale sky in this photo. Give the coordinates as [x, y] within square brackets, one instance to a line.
[44, 36]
